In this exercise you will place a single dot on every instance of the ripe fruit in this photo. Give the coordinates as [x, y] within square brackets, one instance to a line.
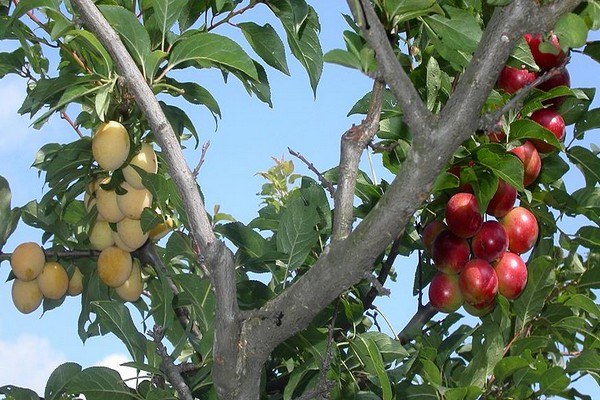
[552, 121]
[110, 145]
[503, 200]
[132, 203]
[478, 283]
[450, 252]
[512, 275]
[512, 79]
[114, 266]
[75, 283]
[545, 60]
[53, 280]
[429, 234]
[444, 293]
[120, 244]
[130, 232]
[26, 295]
[27, 261]
[131, 289]
[481, 309]
[491, 242]
[146, 160]
[522, 229]
[532, 163]
[161, 230]
[462, 215]
[106, 202]
[101, 235]
[561, 78]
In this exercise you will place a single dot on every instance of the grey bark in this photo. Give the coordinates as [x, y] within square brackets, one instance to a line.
[243, 345]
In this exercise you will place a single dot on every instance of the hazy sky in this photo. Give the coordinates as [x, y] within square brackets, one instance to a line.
[249, 134]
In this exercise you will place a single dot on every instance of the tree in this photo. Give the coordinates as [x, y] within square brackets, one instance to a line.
[445, 126]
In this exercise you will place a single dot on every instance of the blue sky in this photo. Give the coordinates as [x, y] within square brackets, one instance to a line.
[249, 134]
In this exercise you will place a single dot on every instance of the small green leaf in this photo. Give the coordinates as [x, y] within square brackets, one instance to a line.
[399, 11]
[267, 44]
[540, 281]
[167, 12]
[589, 237]
[508, 366]
[18, 393]
[504, 165]
[434, 82]
[554, 381]
[11, 63]
[571, 31]
[591, 120]
[343, 58]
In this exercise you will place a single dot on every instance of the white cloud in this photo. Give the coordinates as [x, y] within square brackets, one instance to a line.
[128, 374]
[28, 361]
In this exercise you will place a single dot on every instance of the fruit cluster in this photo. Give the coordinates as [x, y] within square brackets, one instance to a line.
[117, 230]
[553, 67]
[475, 259]
[36, 278]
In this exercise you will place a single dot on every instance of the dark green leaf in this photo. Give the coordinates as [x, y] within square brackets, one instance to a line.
[508, 365]
[540, 281]
[132, 32]
[504, 165]
[197, 292]
[267, 44]
[528, 129]
[399, 11]
[11, 62]
[18, 393]
[592, 49]
[587, 162]
[180, 121]
[59, 379]
[369, 355]
[574, 108]
[114, 316]
[98, 383]
[554, 381]
[589, 237]
[297, 231]
[587, 361]
[521, 56]
[253, 294]
[209, 49]
[24, 6]
[590, 121]
[196, 94]
[167, 12]
[554, 167]
[344, 58]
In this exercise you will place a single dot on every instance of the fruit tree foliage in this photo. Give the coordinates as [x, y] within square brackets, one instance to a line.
[226, 323]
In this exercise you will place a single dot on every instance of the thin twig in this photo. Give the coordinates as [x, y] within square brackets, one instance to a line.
[205, 147]
[414, 326]
[66, 117]
[68, 254]
[168, 367]
[324, 182]
[383, 275]
[232, 14]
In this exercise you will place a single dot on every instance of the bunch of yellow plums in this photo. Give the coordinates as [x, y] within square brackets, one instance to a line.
[121, 208]
[36, 278]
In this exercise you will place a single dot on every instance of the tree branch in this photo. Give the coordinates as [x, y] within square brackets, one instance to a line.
[218, 258]
[324, 182]
[168, 367]
[415, 325]
[416, 115]
[352, 145]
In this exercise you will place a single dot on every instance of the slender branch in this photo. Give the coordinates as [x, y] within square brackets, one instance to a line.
[416, 115]
[416, 323]
[66, 117]
[205, 147]
[233, 14]
[383, 274]
[168, 367]
[324, 182]
[353, 142]
[68, 254]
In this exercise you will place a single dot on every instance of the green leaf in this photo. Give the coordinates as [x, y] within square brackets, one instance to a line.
[197, 292]
[521, 55]
[297, 231]
[180, 121]
[571, 30]
[369, 355]
[587, 162]
[11, 63]
[456, 37]
[253, 294]
[25, 6]
[434, 82]
[540, 282]
[528, 129]
[304, 42]
[99, 383]
[508, 366]
[8, 218]
[554, 381]
[554, 167]
[399, 11]
[343, 58]
[93, 51]
[589, 237]
[167, 12]
[132, 32]
[195, 94]
[70, 95]
[504, 165]
[210, 49]
[18, 393]
[114, 316]
[587, 361]
[266, 43]
[592, 49]
[591, 120]
[59, 379]
[574, 108]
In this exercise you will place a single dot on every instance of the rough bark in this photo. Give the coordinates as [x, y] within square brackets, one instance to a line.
[242, 346]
